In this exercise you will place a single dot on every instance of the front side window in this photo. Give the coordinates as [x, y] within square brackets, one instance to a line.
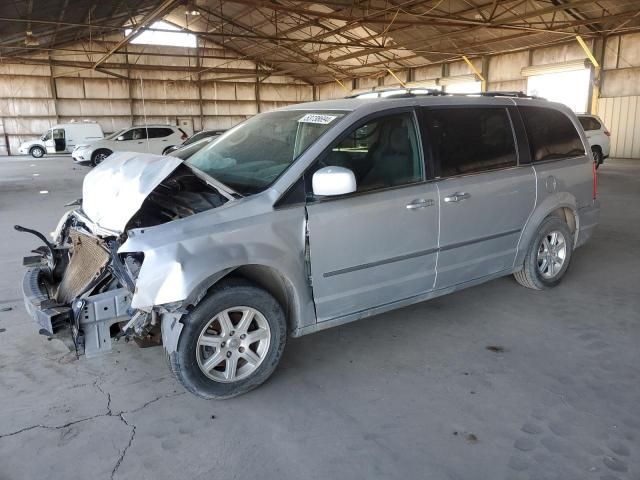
[381, 153]
[253, 155]
[58, 134]
[134, 134]
[469, 140]
[551, 134]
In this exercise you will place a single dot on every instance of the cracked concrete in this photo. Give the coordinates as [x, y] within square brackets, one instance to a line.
[398, 395]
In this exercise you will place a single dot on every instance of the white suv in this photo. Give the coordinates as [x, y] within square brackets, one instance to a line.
[148, 139]
[598, 137]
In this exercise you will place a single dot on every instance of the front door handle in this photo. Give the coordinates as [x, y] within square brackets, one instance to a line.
[457, 197]
[420, 203]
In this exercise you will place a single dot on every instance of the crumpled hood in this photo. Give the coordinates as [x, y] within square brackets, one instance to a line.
[114, 190]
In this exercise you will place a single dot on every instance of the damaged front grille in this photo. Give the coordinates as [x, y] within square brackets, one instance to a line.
[88, 260]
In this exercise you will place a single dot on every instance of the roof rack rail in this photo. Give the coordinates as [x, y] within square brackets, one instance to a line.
[422, 91]
[397, 92]
[516, 94]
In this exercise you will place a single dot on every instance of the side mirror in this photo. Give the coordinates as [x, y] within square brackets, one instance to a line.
[120, 138]
[330, 181]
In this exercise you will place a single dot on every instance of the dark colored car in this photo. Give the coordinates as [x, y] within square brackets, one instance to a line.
[185, 151]
[194, 138]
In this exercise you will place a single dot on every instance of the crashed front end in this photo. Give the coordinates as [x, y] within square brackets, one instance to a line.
[79, 286]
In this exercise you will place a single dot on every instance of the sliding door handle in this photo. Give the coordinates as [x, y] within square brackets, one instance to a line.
[420, 203]
[456, 197]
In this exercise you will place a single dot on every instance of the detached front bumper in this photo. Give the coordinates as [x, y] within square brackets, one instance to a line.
[50, 316]
[90, 317]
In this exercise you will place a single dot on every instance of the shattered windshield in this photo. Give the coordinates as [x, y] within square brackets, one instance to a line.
[253, 155]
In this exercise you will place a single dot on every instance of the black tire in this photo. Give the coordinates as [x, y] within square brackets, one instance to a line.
[99, 156]
[597, 156]
[37, 152]
[229, 294]
[530, 275]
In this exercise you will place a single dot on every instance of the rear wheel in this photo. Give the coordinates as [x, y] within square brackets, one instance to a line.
[597, 156]
[99, 156]
[548, 256]
[231, 342]
[37, 152]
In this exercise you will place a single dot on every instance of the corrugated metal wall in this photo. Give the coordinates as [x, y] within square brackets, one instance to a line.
[35, 97]
[622, 116]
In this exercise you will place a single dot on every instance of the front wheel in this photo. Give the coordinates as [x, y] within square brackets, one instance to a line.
[548, 256]
[37, 152]
[231, 342]
[99, 156]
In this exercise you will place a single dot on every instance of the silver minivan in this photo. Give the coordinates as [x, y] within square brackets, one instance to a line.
[309, 217]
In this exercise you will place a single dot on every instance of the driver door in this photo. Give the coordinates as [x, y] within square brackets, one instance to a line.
[378, 245]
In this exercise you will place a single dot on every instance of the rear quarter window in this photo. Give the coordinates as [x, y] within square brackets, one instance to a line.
[589, 123]
[551, 134]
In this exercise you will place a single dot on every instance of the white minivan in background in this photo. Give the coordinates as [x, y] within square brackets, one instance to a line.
[145, 139]
[62, 138]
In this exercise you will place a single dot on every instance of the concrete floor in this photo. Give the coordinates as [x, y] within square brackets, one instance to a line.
[410, 394]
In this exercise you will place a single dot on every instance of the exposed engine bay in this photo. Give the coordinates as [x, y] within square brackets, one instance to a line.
[79, 282]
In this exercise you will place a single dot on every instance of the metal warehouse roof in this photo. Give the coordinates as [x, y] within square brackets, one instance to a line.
[322, 41]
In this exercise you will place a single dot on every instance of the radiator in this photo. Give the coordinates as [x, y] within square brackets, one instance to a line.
[88, 259]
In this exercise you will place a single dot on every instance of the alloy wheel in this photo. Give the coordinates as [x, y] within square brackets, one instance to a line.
[233, 344]
[99, 158]
[552, 253]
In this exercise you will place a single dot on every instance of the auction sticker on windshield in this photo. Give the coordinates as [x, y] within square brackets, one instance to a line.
[318, 118]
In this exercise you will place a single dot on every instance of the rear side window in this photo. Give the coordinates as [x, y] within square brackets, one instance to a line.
[589, 123]
[551, 134]
[469, 140]
[159, 132]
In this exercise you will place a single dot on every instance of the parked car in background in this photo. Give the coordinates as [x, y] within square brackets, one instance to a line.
[62, 138]
[310, 217]
[150, 139]
[194, 138]
[185, 151]
[598, 136]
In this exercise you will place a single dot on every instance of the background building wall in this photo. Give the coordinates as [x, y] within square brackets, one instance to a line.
[178, 86]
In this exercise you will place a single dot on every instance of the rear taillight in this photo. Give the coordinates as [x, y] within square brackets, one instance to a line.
[595, 181]
[607, 133]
